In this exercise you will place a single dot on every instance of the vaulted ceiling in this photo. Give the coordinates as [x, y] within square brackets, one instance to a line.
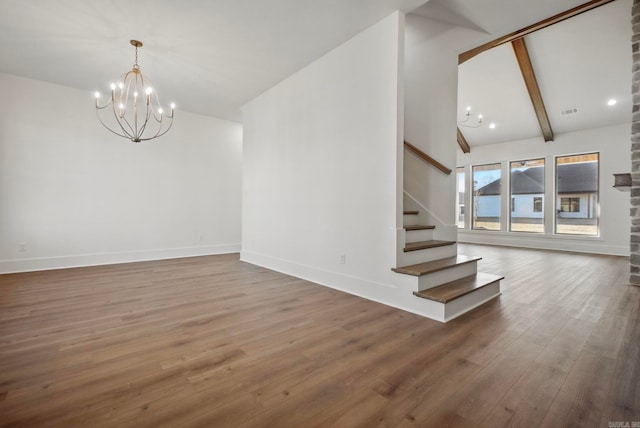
[578, 66]
[210, 57]
[213, 56]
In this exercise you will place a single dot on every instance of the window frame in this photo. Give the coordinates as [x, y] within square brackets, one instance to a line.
[541, 162]
[591, 205]
[460, 207]
[474, 195]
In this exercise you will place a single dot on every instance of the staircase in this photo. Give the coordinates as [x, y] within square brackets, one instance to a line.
[450, 283]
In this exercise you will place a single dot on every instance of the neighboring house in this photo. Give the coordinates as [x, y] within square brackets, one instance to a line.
[577, 190]
[577, 193]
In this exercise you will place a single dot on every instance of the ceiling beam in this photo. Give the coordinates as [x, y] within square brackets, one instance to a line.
[462, 142]
[465, 56]
[529, 76]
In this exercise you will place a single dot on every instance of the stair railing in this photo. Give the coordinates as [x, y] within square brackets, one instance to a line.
[425, 157]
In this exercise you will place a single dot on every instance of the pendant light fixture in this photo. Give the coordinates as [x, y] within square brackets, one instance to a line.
[133, 109]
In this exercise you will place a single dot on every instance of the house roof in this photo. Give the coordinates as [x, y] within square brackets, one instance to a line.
[578, 177]
[572, 178]
[530, 180]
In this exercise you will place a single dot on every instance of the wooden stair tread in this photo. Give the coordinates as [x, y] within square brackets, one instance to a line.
[421, 245]
[458, 288]
[419, 227]
[420, 269]
[410, 212]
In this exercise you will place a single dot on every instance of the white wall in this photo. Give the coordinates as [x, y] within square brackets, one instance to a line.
[431, 86]
[322, 169]
[488, 206]
[524, 206]
[72, 194]
[613, 145]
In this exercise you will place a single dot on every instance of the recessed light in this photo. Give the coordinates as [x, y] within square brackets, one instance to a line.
[611, 102]
[492, 125]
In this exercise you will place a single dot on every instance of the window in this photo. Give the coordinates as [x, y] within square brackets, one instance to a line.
[461, 195]
[487, 185]
[570, 205]
[577, 194]
[537, 204]
[527, 196]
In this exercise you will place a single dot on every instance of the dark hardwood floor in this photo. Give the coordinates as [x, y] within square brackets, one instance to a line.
[211, 341]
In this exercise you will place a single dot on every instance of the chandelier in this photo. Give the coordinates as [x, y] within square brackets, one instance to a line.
[133, 109]
[465, 122]
[477, 123]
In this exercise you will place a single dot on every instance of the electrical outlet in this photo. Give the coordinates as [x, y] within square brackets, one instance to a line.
[22, 247]
[343, 259]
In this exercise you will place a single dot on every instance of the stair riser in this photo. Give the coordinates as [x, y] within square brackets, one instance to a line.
[427, 255]
[447, 275]
[410, 219]
[418, 235]
[464, 304]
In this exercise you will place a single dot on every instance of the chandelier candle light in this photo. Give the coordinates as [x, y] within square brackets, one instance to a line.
[137, 114]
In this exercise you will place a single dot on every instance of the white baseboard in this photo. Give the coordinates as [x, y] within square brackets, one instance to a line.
[397, 293]
[578, 244]
[389, 294]
[79, 260]
[332, 279]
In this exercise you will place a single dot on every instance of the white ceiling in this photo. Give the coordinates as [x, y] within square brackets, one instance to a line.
[211, 57]
[494, 17]
[579, 63]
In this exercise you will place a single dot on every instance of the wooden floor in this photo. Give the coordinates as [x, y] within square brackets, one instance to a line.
[211, 341]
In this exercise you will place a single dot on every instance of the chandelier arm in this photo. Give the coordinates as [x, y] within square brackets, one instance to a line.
[109, 129]
[104, 106]
[157, 118]
[467, 116]
[126, 90]
[133, 132]
[159, 135]
[98, 108]
[135, 120]
[159, 121]
[470, 126]
[150, 109]
[146, 120]
[151, 112]
[149, 105]
[119, 120]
